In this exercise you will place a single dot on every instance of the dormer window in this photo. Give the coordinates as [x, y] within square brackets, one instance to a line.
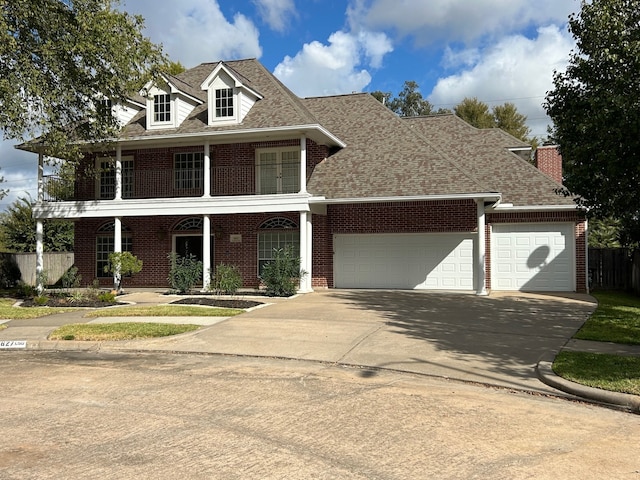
[224, 102]
[162, 108]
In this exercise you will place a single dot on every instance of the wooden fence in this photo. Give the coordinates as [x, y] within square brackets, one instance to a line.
[55, 264]
[614, 268]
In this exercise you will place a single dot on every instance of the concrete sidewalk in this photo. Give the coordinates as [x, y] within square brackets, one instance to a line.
[497, 340]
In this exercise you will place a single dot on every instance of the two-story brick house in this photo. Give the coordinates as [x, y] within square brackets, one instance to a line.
[224, 162]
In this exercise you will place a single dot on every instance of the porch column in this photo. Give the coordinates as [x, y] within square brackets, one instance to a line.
[207, 170]
[303, 164]
[206, 252]
[481, 281]
[40, 197]
[117, 248]
[118, 185]
[305, 263]
[39, 256]
[309, 268]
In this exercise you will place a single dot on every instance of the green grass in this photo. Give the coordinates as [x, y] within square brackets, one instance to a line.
[118, 331]
[616, 319]
[164, 311]
[609, 372]
[8, 311]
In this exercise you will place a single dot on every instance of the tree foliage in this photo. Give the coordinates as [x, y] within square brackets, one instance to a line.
[475, 112]
[511, 121]
[18, 230]
[408, 103]
[595, 108]
[59, 58]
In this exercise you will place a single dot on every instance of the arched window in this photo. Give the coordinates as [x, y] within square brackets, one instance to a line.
[189, 224]
[274, 234]
[105, 245]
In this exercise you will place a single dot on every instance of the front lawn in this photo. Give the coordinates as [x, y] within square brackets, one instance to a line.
[9, 312]
[118, 331]
[615, 373]
[164, 311]
[617, 319]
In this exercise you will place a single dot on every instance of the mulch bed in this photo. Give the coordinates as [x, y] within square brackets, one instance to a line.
[217, 302]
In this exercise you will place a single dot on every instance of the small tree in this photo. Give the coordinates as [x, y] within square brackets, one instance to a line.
[121, 264]
[184, 272]
[282, 275]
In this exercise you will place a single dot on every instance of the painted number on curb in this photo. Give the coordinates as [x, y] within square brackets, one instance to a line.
[13, 344]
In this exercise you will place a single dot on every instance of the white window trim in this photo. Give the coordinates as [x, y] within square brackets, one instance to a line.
[279, 151]
[112, 160]
[151, 122]
[231, 120]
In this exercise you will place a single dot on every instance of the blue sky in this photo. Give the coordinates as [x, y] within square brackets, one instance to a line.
[496, 50]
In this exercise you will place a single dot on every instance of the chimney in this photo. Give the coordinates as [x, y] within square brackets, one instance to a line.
[549, 161]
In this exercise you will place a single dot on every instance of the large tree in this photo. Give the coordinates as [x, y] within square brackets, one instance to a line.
[18, 230]
[59, 59]
[408, 103]
[595, 108]
[475, 112]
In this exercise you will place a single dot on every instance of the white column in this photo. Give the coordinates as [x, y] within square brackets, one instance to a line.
[305, 264]
[309, 268]
[303, 164]
[207, 170]
[118, 195]
[481, 281]
[40, 177]
[39, 256]
[117, 248]
[206, 252]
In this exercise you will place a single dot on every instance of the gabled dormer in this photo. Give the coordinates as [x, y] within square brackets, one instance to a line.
[229, 96]
[169, 102]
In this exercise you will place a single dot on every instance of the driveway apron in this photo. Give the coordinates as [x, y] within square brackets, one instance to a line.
[494, 340]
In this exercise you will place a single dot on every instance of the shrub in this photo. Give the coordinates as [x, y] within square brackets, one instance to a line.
[227, 279]
[184, 272]
[282, 275]
[9, 272]
[41, 300]
[107, 297]
[71, 278]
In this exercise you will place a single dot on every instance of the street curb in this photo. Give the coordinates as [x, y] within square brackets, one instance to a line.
[545, 373]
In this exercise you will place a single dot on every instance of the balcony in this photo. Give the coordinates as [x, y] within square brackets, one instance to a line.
[149, 184]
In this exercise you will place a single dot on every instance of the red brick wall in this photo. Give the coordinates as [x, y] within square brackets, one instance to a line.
[549, 161]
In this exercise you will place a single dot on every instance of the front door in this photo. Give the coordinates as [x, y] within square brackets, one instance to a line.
[185, 245]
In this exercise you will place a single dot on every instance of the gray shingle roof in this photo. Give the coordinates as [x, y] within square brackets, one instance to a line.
[484, 154]
[279, 107]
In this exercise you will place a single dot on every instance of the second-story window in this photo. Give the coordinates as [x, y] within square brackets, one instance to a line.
[224, 102]
[107, 179]
[162, 108]
[188, 171]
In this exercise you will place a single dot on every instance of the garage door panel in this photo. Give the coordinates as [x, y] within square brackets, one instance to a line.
[412, 261]
[533, 257]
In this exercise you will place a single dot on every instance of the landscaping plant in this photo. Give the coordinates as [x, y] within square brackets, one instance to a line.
[282, 275]
[184, 272]
[123, 263]
[226, 280]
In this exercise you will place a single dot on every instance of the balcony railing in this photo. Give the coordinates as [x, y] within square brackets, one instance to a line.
[143, 184]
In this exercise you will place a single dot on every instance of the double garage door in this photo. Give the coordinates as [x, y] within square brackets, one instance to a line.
[528, 257]
[406, 261]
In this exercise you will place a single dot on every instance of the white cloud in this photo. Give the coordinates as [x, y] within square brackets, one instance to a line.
[457, 20]
[516, 69]
[196, 31]
[276, 13]
[335, 68]
[19, 169]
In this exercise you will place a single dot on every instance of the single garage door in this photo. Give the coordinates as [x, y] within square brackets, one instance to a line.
[533, 257]
[406, 261]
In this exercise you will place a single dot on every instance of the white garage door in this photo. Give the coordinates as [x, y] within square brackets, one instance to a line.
[407, 261]
[533, 257]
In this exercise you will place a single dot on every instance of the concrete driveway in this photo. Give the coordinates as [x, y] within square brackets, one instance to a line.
[494, 340]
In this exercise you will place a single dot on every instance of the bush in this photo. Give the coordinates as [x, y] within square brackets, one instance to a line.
[282, 275]
[71, 278]
[41, 300]
[107, 297]
[9, 272]
[227, 279]
[184, 272]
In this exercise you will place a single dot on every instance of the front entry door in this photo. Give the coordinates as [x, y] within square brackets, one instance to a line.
[191, 245]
